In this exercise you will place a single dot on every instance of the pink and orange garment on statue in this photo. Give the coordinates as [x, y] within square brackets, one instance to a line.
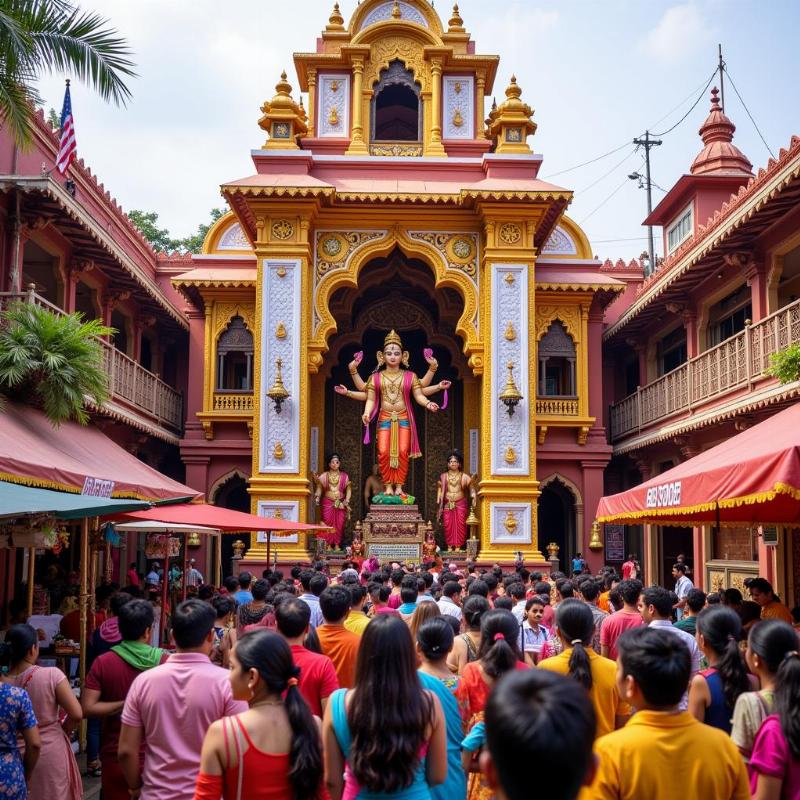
[333, 515]
[454, 517]
[397, 434]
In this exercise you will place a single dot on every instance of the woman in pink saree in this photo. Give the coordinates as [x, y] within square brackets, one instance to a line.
[452, 499]
[333, 497]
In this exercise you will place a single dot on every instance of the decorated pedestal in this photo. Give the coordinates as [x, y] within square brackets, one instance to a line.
[394, 532]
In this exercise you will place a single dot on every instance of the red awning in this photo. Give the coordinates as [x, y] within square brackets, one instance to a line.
[34, 453]
[753, 478]
[216, 517]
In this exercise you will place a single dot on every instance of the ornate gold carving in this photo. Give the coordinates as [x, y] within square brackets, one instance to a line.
[509, 279]
[510, 456]
[277, 452]
[510, 333]
[333, 117]
[281, 272]
[225, 312]
[402, 48]
[457, 87]
[458, 120]
[510, 233]
[282, 229]
[280, 331]
[569, 315]
[236, 403]
[333, 249]
[334, 84]
[583, 433]
[556, 408]
[459, 249]
[510, 522]
[542, 434]
[396, 149]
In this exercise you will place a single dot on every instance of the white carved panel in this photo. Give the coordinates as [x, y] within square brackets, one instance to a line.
[509, 338]
[334, 106]
[286, 509]
[459, 107]
[279, 443]
[383, 12]
[560, 243]
[233, 239]
[510, 523]
[474, 446]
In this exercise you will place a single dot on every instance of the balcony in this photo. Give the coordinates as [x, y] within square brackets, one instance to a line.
[130, 386]
[556, 406]
[735, 364]
[234, 402]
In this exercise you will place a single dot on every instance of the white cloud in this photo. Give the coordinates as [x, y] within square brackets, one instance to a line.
[680, 32]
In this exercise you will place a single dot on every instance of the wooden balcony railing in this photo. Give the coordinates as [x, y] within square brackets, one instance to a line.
[241, 402]
[556, 407]
[732, 364]
[129, 383]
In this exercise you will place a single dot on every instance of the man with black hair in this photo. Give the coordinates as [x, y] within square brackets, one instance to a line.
[478, 586]
[338, 643]
[661, 742]
[170, 708]
[695, 603]
[590, 591]
[357, 620]
[450, 601]
[244, 595]
[620, 621]
[655, 606]
[231, 584]
[683, 585]
[409, 592]
[538, 724]
[426, 595]
[110, 679]
[314, 584]
[517, 593]
[317, 681]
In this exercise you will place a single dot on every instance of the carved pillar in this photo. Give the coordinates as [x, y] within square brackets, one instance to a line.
[357, 143]
[689, 318]
[436, 106]
[756, 275]
[480, 89]
[312, 102]
[199, 364]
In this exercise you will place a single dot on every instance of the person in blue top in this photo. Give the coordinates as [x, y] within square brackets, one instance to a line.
[244, 595]
[434, 643]
[578, 564]
[16, 719]
[387, 736]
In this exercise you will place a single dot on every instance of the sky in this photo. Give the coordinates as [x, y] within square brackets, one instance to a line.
[596, 73]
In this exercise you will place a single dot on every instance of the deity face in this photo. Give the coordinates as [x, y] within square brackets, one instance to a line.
[334, 463]
[453, 464]
[393, 355]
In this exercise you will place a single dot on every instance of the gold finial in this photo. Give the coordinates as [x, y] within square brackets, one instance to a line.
[510, 333]
[283, 87]
[472, 520]
[456, 24]
[510, 396]
[396, 13]
[595, 542]
[336, 20]
[458, 120]
[392, 338]
[278, 392]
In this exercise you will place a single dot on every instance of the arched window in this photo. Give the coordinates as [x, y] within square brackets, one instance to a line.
[396, 106]
[557, 363]
[235, 358]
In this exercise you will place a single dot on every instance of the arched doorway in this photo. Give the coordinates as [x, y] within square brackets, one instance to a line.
[396, 106]
[231, 493]
[395, 292]
[557, 521]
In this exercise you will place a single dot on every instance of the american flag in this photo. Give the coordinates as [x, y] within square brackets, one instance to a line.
[67, 145]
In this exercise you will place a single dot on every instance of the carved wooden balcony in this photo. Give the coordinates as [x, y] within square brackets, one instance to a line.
[234, 402]
[556, 407]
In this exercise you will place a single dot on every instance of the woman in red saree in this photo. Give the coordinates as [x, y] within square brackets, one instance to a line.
[452, 500]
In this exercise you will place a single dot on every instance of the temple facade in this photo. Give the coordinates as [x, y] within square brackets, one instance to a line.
[390, 201]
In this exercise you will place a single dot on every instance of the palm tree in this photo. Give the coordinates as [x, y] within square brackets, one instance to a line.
[39, 36]
[52, 360]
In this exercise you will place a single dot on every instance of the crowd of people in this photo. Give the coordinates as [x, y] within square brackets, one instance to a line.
[434, 683]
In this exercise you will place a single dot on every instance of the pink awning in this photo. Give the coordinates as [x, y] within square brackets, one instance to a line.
[753, 478]
[34, 453]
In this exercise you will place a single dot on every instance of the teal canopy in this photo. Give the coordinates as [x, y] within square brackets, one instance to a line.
[20, 501]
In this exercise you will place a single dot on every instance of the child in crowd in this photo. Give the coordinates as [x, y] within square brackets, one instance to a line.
[533, 634]
[662, 752]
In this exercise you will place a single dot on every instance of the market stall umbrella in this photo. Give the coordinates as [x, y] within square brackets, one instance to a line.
[753, 478]
[76, 458]
[20, 501]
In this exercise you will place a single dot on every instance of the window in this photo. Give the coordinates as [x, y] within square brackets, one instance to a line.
[671, 351]
[396, 106]
[235, 358]
[727, 318]
[557, 363]
[680, 230]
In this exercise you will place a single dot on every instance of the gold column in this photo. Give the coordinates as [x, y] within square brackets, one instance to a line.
[312, 100]
[357, 143]
[480, 88]
[436, 108]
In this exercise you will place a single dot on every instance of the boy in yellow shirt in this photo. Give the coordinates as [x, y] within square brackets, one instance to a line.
[659, 742]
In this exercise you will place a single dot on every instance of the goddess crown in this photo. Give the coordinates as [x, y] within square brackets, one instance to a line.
[392, 338]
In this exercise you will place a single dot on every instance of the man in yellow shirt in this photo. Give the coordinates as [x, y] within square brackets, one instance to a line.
[659, 742]
[356, 620]
[771, 607]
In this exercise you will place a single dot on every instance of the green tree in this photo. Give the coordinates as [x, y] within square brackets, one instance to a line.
[147, 223]
[52, 360]
[785, 364]
[54, 119]
[38, 36]
[194, 242]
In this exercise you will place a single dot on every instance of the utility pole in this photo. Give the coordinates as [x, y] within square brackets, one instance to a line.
[721, 78]
[647, 142]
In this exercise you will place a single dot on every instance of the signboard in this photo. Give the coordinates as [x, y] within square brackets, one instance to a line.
[770, 534]
[96, 487]
[615, 542]
[394, 552]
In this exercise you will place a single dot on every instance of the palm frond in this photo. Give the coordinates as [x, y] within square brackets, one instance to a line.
[17, 107]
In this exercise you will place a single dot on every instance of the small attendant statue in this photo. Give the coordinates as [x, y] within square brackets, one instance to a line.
[332, 495]
[451, 498]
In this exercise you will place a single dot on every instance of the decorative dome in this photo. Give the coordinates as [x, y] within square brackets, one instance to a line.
[720, 155]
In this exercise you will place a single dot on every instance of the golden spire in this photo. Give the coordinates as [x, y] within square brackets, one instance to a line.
[392, 338]
[456, 24]
[283, 118]
[336, 20]
[510, 123]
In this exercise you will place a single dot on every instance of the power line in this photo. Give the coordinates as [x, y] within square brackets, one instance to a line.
[692, 108]
[598, 207]
[685, 99]
[586, 163]
[606, 174]
[741, 100]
